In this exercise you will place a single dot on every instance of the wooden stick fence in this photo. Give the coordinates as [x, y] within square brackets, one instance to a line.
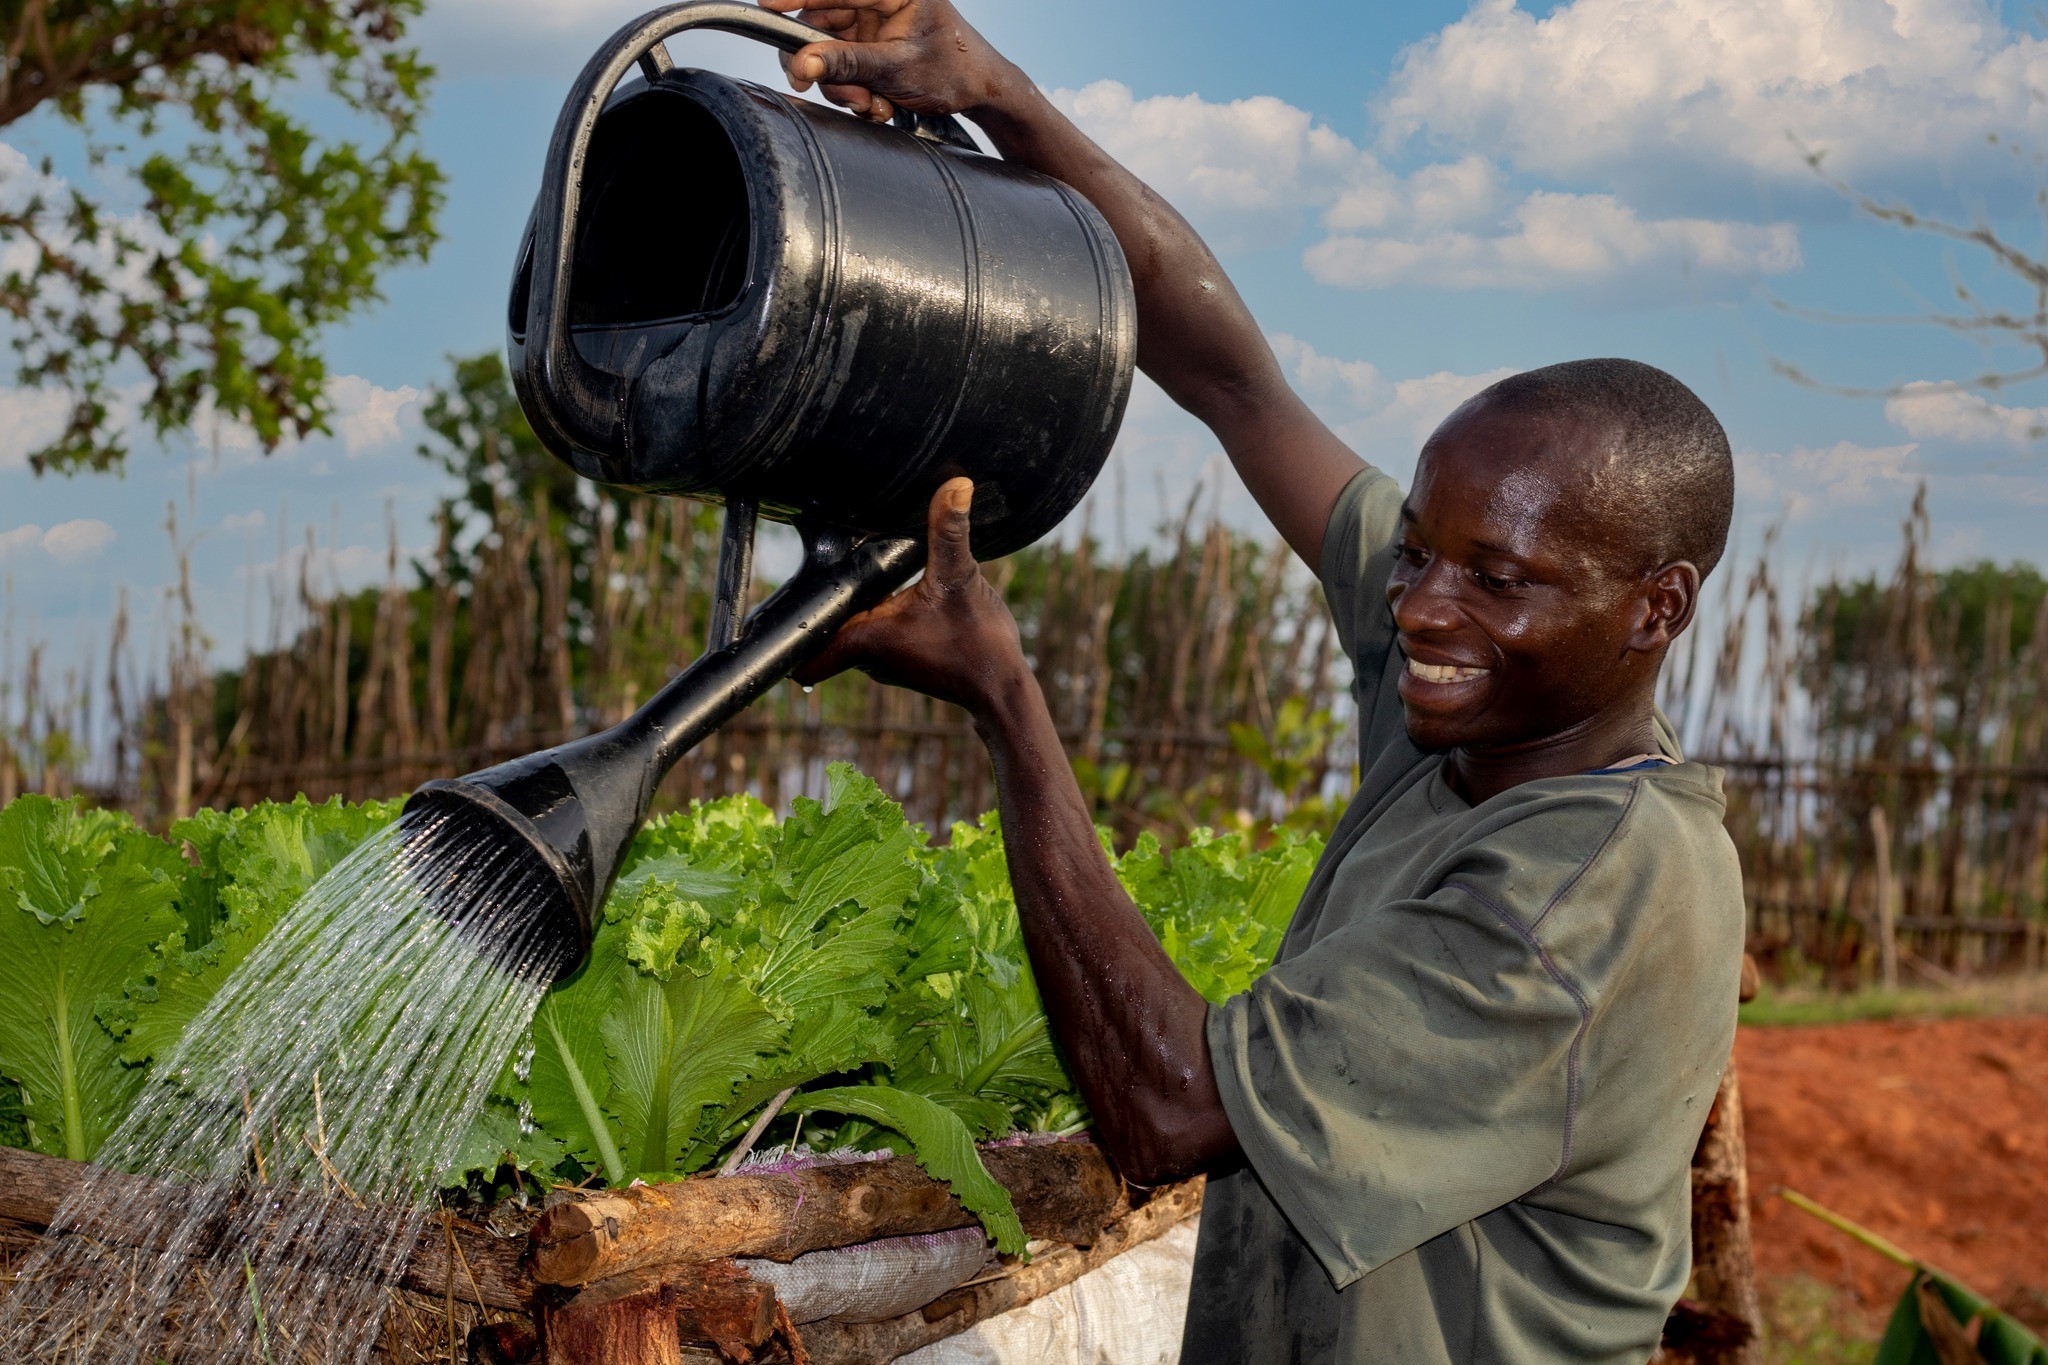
[1885, 744]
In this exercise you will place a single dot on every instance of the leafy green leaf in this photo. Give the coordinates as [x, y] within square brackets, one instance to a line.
[252, 864]
[87, 903]
[1908, 1340]
[497, 1138]
[1219, 905]
[676, 1046]
[570, 1076]
[969, 1000]
[938, 1141]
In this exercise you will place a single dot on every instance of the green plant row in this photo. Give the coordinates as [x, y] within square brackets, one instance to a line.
[837, 954]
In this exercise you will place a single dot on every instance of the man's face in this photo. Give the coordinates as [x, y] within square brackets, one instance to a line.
[1511, 592]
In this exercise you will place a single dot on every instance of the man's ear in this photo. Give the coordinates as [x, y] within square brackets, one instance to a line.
[1670, 595]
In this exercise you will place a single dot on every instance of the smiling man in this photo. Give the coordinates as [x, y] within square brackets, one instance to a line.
[1454, 1121]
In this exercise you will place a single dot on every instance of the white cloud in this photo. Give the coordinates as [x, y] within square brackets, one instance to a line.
[1598, 87]
[30, 419]
[1251, 173]
[1553, 241]
[1450, 192]
[74, 542]
[1248, 171]
[367, 417]
[1420, 405]
[120, 257]
[1807, 479]
[1163, 455]
[1939, 412]
[1382, 419]
[345, 569]
[68, 542]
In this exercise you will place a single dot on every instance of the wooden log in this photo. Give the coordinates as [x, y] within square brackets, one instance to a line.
[870, 1343]
[1723, 1261]
[644, 1317]
[1064, 1191]
[476, 1264]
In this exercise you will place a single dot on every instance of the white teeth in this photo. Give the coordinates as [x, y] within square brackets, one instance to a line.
[1443, 673]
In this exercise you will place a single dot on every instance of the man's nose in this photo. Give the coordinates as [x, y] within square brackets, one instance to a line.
[1427, 602]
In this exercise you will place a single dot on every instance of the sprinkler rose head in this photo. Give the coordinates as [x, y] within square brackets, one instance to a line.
[506, 863]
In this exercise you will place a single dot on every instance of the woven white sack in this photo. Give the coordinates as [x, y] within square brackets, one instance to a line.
[1127, 1311]
[874, 1280]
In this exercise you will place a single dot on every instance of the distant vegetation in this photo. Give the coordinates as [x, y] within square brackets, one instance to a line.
[252, 234]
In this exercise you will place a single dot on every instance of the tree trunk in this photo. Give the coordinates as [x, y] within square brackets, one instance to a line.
[1724, 1324]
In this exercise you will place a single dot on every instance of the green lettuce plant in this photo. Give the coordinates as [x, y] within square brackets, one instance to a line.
[88, 904]
[831, 976]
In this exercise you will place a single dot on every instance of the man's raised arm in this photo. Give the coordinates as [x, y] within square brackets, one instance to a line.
[1196, 338]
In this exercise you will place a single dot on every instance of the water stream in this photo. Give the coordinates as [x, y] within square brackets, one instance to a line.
[289, 1148]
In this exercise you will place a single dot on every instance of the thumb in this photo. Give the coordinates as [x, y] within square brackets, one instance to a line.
[862, 64]
[949, 526]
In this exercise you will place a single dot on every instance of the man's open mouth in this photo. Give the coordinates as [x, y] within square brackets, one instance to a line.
[1444, 673]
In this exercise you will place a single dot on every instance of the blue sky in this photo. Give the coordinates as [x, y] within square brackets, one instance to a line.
[1413, 197]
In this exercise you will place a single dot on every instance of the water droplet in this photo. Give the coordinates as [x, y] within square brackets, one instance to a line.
[808, 689]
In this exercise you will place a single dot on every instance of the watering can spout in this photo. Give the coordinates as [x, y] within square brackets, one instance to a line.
[563, 817]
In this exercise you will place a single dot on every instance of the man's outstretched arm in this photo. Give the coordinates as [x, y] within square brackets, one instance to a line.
[1196, 338]
[1132, 1028]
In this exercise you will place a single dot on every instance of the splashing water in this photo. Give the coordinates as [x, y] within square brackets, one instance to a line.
[281, 1162]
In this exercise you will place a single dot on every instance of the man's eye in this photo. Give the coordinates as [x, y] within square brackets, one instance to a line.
[1415, 554]
[1493, 582]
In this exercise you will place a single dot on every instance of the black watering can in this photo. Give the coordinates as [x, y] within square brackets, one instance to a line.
[735, 295]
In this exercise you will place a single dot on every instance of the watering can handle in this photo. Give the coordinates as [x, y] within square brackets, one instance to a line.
[572, 397]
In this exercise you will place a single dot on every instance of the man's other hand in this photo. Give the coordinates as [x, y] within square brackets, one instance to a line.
[949, 635]
[917, 54]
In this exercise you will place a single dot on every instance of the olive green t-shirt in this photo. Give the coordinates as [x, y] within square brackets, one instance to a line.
[1469, 1088]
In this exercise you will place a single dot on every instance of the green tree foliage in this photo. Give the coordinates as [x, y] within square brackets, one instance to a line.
[254, 233]
[477, 433]
[1905, 668]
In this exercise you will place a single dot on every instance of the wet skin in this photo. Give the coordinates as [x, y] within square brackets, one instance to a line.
[1520, 569]
[1508, 566]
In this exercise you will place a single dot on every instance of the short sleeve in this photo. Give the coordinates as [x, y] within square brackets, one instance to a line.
[1357, 557]
[1402, 1076]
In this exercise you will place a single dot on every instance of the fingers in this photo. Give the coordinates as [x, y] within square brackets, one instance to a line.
[857, 99]
[949, 526]
[857, 64]
[881, 7]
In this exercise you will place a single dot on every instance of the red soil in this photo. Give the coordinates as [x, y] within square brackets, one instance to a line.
[1933, 1134]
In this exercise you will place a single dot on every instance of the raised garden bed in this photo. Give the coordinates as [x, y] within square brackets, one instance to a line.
[653, 1274]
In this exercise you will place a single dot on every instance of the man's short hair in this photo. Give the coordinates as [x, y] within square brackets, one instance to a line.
[1676, 474]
